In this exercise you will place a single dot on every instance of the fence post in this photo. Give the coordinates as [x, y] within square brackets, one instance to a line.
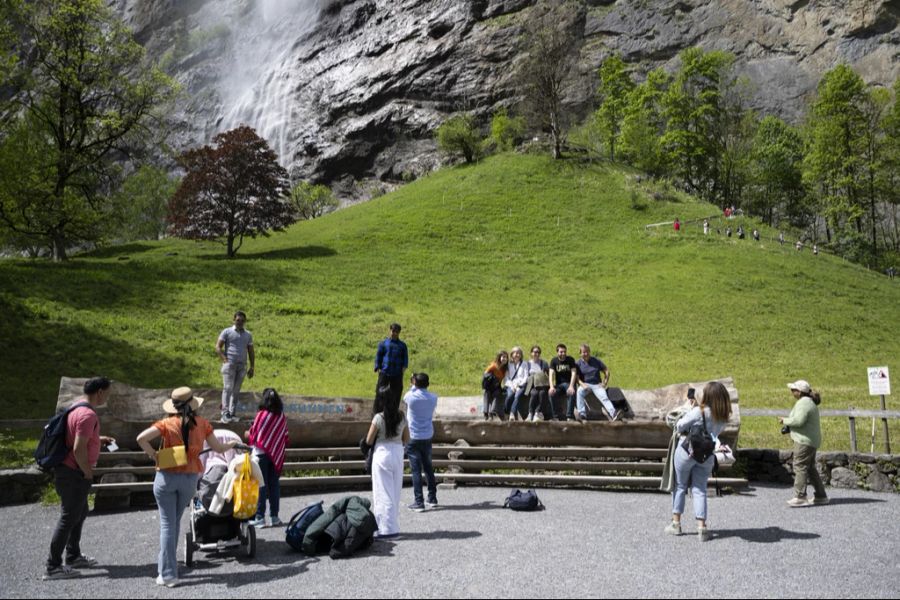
[887, 432]
[853, 434]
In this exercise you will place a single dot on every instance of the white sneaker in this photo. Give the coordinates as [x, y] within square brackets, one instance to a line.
[169, 583]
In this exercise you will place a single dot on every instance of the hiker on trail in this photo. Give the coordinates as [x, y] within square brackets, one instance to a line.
[73, 478]
[705, 226]
[563, 379]
[713, 410]
[593, 377]
[234, 346]
[677, 225]
[420, 407]
[806, 433]
[740, 232]
[781, 238]
[514, 383]
[492, 384]
[728, 231]
[799, 245]
[391, 360]
[756, 234]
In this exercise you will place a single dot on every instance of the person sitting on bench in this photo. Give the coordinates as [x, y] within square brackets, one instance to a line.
[590, 380]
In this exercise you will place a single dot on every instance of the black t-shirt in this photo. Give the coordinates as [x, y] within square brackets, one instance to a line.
[563, 369]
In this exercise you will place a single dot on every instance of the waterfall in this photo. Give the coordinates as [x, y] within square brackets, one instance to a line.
[259, 86]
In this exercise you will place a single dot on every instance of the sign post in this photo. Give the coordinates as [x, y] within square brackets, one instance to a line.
[880, 385]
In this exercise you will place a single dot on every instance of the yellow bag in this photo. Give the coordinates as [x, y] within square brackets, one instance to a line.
[169, 458]
[246, 492]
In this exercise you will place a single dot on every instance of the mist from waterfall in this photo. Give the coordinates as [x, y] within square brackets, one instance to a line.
[259, 88]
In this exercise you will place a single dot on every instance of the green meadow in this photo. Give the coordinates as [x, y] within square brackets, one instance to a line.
[516, 250]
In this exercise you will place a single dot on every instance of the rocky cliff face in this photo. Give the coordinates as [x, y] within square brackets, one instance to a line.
[350, 91]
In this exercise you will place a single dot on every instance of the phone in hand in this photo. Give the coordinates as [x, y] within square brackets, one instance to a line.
[691, 393]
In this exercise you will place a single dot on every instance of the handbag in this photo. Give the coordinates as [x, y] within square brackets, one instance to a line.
[171, 457]
[246, 491]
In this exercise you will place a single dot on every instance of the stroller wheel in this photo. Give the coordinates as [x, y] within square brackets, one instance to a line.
[189, 549]
[250, 542]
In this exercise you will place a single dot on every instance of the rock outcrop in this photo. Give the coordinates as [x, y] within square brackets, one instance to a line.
[350, 91]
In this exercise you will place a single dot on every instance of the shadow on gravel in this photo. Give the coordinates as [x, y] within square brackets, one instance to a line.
[835, 501]
[442, 535]
[764, 535]
[480, 506]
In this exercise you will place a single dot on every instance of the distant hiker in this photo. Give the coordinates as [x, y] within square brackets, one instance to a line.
[806, 433]
[677, 225]
[728, 212]
[234, 346]
[740, 232]
[756, 234]
[781, 238]
[391, 360]
[563, 379]
[593, 377]
[816, 249]
[799, 245]
[73, 478]
[728, 231]
[492, 384]
[514, 383]
[420, 407]
[705, 226]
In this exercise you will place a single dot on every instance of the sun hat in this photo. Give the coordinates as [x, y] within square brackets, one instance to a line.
[179, 397]
[801, 385]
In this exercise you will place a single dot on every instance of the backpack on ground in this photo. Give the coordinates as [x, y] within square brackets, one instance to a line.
[519, 500]
[52, 449]
[300, 522]
[700, 444]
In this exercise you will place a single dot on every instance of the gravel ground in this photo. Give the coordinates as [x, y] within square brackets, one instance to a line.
[586, 543]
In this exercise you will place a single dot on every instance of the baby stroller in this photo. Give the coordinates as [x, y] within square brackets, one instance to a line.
[210, 532]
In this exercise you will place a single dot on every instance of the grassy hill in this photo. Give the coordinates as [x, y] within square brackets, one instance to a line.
[516, 250]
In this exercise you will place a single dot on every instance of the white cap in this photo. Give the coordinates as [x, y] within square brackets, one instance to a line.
[801, 386]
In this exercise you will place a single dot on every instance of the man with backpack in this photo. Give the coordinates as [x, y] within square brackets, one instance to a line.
[73, 478]
[420, 407]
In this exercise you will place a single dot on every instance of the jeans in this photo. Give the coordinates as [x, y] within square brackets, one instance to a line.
[73, 491]
[173, 493]
[419, 453]
[805, 472]
[599, 393]
[513, 399]
[272, 489]
[689, 471]
[557, 405]
[232, 379]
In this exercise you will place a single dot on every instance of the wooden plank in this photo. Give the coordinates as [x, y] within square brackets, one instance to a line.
[540, 452]
[535, 465]
[865, 414]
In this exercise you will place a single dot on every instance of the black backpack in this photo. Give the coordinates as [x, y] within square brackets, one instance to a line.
[519, 500]
[300, 522]
[700, 444]
[51, 449]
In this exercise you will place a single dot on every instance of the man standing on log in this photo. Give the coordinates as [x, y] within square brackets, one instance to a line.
[391, 361]
[234, 346]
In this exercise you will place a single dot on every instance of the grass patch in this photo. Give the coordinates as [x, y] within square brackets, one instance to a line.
[17, 447]
[517, 250]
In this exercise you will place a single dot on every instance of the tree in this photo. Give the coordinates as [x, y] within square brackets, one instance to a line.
[459, 135]
[552, 37]
[643, 125]
[615, 86]
[776, 176]
[506, 131]
[84, 95]
[312, 201]
[139, 208]
[232, 190]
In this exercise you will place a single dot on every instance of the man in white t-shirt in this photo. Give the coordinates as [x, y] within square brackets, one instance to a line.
[234, 346]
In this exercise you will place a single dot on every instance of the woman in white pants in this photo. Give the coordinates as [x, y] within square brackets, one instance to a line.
[389, 435]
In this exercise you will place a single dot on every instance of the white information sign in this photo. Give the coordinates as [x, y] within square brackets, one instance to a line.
[879, 381]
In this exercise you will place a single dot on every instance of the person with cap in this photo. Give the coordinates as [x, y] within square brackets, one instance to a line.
[806, 432]
[185, 430]
[73, 478]
[234, 346]
[391, 360]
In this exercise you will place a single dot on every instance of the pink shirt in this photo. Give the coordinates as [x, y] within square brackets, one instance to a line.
[84, 422]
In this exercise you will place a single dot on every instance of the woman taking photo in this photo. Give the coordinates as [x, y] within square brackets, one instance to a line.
[492, 383]
[807, 435]
[269, 436]
[389, 435]
[175, 486]
[711, 412]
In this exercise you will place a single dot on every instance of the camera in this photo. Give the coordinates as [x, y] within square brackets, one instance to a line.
[785, 430]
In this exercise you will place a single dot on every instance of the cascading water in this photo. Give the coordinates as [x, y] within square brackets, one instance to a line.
[259, 87]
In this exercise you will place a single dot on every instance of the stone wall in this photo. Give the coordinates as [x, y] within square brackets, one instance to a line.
[874, 472]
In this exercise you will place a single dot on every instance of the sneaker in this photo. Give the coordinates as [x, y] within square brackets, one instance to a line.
[258, 522]
[82, 562]
[416, 507]
[795, 502]
[169, 583]
[673, 528]
[820, 501]
[617, 416]
[60, 572]
[580, 417]
[233, 418]
[224, 419]
[431, 503]
[703, 534]
[276, 522]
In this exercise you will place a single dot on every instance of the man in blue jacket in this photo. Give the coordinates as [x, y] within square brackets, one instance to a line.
[420, 407]
[391, 361]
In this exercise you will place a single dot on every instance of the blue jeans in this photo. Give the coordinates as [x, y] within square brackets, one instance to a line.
[173, 493]
[600, 393]
[689, 471]
[419, 453]
[513, 397]
[272, 489]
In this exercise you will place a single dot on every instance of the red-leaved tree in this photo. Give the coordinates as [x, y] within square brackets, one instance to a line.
[233, 189]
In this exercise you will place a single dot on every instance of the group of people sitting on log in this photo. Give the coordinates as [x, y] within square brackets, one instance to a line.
[531, 390]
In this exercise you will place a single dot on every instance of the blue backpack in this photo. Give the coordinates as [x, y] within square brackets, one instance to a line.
[51, 449]
[300, 522]
[527, 500]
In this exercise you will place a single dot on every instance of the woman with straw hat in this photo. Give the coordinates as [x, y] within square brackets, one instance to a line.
[183, 431]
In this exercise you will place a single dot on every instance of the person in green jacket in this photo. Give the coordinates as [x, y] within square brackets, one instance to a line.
[807, 435]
